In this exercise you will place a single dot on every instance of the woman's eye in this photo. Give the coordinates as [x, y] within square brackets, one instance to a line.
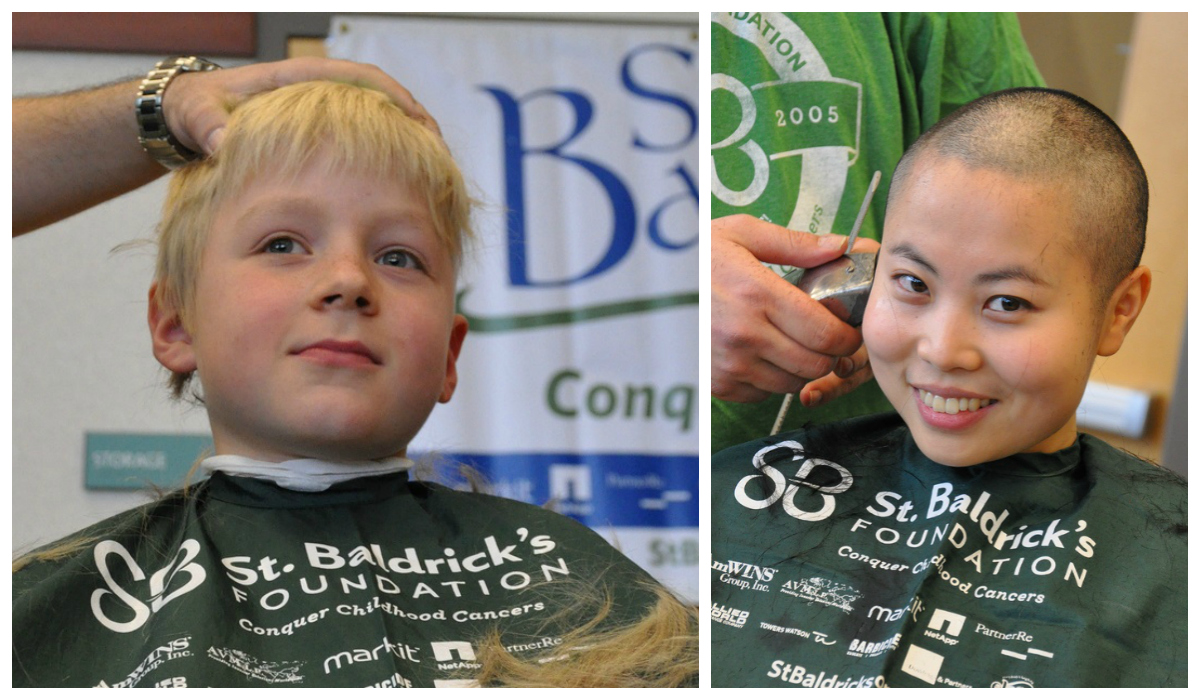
[281, 245]
[911, 284]
[399, 258]
[1007, 304]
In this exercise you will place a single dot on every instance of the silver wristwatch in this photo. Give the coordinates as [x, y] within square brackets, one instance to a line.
[153, 133]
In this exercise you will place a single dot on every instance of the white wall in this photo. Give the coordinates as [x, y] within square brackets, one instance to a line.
[81, 348]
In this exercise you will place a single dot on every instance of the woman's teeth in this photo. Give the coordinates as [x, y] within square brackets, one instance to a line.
[952, 406]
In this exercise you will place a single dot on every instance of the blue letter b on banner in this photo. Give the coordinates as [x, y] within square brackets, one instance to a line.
[515, 152]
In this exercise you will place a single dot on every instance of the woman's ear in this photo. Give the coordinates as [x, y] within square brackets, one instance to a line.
[172, 343]
[1123, 308]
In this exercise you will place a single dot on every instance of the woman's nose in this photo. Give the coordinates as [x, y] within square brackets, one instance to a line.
[949, 342]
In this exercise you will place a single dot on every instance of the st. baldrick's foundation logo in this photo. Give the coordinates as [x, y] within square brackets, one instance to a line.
[123, 610]
[771, 485]
[636, 201]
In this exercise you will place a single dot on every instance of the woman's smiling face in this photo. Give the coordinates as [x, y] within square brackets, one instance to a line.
[982, 325]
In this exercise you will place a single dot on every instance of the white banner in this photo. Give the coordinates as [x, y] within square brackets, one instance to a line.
[578, 378]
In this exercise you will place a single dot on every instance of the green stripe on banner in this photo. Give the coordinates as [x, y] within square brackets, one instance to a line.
[499, 324]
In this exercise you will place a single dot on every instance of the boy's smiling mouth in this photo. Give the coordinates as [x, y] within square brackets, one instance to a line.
[339, 352]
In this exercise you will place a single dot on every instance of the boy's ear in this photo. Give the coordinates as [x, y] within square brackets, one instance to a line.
[1123, 308]
[172, 344]
[457, 334]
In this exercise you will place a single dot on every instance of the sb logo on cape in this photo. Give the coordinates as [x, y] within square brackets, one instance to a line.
[781, 489]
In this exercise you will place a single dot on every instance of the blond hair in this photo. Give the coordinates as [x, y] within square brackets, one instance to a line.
[353, 128]
[660, 649]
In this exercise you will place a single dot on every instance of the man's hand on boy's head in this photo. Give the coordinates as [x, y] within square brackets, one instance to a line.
[768, 337]
[197, 104]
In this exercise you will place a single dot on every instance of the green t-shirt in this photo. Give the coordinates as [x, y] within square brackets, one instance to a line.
[378, 581]
[807, 106]
[842, 556]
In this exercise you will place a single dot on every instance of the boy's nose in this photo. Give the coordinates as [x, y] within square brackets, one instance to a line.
[950, 343]
[345, 285]
[360, 302]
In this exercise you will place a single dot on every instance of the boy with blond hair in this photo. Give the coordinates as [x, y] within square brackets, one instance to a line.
[306, 278]
[974, 537]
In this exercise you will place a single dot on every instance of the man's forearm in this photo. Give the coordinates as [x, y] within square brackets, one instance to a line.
[73, 151]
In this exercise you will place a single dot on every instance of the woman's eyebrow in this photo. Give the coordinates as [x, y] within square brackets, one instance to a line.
[908, 252]
[1018, 273]
[1004, 274]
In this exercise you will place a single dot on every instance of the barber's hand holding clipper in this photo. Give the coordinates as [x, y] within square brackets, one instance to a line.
[769, 336]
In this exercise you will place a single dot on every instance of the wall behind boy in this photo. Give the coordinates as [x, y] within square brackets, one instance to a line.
[81, 348]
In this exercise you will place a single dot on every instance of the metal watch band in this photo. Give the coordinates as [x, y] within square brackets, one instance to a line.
[153, 133]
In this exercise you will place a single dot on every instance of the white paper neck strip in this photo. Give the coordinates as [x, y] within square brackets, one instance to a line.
[303, 474]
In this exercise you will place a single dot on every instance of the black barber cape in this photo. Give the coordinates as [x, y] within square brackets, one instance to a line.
[378, 581]
[843, 557]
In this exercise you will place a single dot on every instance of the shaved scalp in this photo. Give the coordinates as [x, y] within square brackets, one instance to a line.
[1056, 138]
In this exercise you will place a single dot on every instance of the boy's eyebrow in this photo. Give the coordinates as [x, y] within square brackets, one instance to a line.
[297, 205]
[1010, 273]
[275, 205]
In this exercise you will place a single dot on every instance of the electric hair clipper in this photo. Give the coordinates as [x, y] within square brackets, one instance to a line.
[843, 285]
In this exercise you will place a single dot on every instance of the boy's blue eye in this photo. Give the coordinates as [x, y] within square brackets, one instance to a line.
[1007, 304]
[280, 245]
[912, 284]
[399, 258]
